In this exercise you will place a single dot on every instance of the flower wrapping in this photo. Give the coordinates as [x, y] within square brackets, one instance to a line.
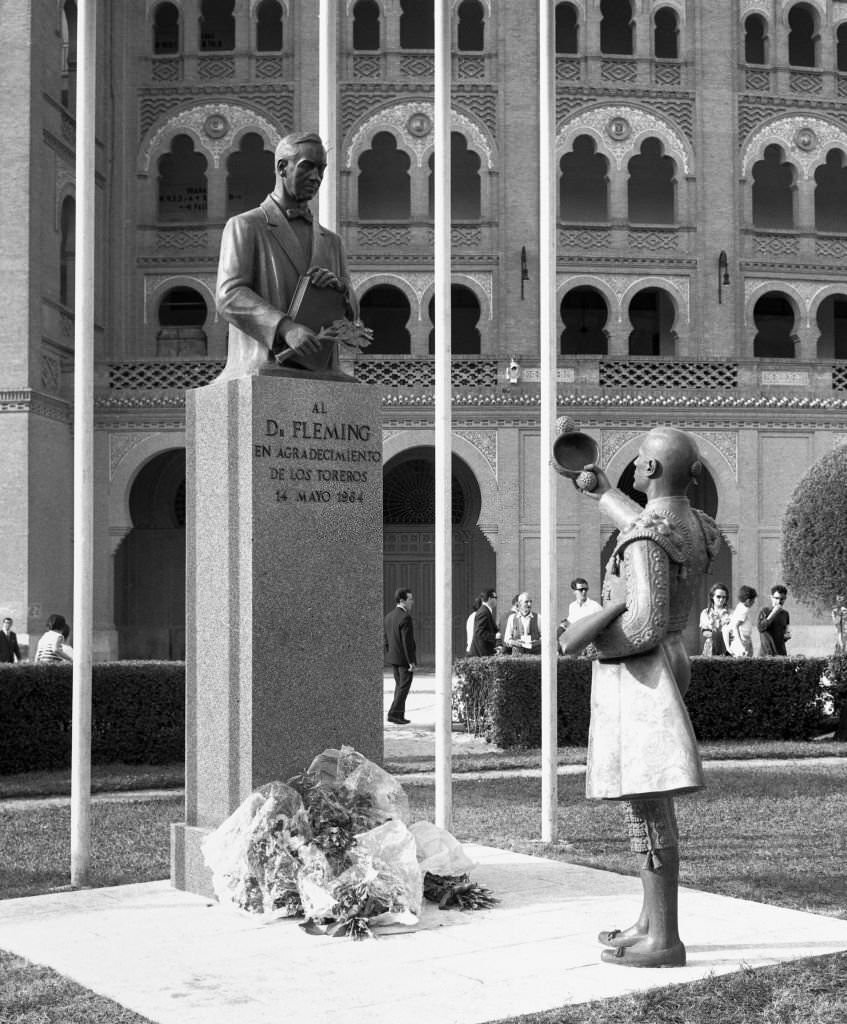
[382, 878]
[439, 851]
[390, 851]
[332, 845]
[254, 854]
[357, 780]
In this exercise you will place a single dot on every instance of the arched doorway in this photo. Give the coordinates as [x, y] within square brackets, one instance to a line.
[464, 318]
[774, 317]
[652, 313]
[386, 310]
[182, 320]
[150, 564]
[584, 313]
[704, 496]
[409, 543]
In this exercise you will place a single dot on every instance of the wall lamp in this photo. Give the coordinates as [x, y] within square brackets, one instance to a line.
[723, 274]
[524, 270]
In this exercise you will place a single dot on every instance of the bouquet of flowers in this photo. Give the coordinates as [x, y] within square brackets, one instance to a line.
[380, 885]
[254, 854]
[361, 865]
[331, 845]
[445, 866]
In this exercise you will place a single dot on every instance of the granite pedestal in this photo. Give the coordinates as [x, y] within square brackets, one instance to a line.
[284, 590]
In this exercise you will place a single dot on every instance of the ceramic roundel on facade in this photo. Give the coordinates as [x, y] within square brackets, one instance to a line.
[216, 126]
[805, 139]
[618, 128]
[419, 124]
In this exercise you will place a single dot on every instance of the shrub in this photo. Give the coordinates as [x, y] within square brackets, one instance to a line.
[729, 698]
[756, 698]
[137, 714]
[503, 699]
[836, 673]
[814, 541]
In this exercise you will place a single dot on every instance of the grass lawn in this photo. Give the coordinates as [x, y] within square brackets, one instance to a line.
[120, 777]
[773, 834]
[105, 778]
[129, 843]
[803, 992]
[32, 994]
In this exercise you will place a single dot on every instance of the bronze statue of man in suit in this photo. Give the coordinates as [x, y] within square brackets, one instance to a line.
[264, 254]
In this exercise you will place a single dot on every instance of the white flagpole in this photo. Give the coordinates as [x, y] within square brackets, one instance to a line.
[443, 427]
[83, 561]
[547, 285]
[327, 104]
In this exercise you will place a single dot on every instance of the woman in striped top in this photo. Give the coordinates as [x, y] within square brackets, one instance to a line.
[51, 646]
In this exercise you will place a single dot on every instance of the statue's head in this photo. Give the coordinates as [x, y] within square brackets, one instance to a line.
[667, 462]
[300, 162]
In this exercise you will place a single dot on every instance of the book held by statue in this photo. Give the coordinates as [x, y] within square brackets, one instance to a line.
[316, 307]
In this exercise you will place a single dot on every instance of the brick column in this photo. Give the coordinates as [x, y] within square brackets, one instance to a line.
[216, 191]
[717, 184]
[591, 30]
[390, 27]
[618, 195]
[807, 349]
[419, 188]
[804, 204]
[419, 327]
[618, 331]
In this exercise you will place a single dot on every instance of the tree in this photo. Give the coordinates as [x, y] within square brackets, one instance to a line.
[814, 534]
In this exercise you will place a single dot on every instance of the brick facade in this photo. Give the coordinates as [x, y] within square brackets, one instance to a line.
[760, 420]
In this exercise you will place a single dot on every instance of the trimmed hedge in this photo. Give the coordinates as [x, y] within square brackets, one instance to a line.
[836, 673]
[756, 698]
[502, 699]
[137, 709]
[729, 698]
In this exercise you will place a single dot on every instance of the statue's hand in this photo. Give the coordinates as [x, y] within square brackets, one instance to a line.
[323, 278]
[301, 340]
[351, 333]
[602, 485]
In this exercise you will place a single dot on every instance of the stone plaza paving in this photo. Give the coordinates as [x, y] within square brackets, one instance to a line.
[179, 959]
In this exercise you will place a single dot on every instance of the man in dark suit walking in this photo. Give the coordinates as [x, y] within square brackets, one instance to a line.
[400, 652]
[9, 650]
[485, 635]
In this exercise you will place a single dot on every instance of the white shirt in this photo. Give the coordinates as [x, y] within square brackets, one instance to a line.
[51, 648]
[743, 619]
[577, 611]
[741, 624]
[517, 619]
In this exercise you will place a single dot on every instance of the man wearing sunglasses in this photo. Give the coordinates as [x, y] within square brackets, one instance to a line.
[582, 604]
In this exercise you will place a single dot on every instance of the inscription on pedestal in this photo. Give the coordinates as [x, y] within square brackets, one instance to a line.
[319, 460]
